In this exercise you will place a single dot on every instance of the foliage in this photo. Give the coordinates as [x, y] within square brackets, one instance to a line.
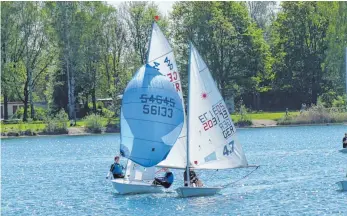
[340, 102]
[108, 114]
[94, 123]
[71, 53]
[40, 113]
[232, 45]
[316, 114]
[327, 98]
[244, 119]
[57, 124]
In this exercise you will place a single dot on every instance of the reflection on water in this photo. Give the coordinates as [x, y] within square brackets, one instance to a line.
[65, 175]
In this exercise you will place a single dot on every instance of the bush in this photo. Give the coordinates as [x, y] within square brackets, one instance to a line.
[340, 102]
[57, 124]
[108, 114]
[99, 105]
[40, 113]
[94, 123]
[327, 98]
[316, 114]
[244, 120]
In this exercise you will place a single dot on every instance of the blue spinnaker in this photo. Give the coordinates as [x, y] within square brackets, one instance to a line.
[151, 117]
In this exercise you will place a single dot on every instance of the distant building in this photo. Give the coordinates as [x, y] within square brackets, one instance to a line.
[108, 101]
[13, 106]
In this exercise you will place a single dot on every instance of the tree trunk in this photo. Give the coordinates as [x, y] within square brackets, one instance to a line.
[94, 100]
[32, 108]
[26, 99]
[93, 90]
[5, 105]
[68, 86]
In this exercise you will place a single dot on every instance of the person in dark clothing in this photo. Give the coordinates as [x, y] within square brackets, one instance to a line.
[194, 181]
[165, 181]
[116, 169]
[344, 141]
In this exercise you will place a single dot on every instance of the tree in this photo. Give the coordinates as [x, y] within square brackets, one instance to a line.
[26, 57]
[299, 45]
[138, 17]
[334, 63]
[231, 44]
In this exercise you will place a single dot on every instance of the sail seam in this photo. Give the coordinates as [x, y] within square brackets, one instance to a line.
[160, 57]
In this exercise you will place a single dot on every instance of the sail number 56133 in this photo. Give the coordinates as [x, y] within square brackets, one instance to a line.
[159, 105]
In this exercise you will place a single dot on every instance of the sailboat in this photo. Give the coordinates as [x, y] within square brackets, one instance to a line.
[342, 185]
[138, 179]
[211, 134]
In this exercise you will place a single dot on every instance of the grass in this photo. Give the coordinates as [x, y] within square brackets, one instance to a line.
[265, 115]
[39, 125]
[22, 127]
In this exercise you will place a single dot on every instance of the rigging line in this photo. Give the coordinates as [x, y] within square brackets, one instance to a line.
[231, 183]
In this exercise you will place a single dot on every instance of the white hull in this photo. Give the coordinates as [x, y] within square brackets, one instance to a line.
[344, 150]
[342, 185]
[123, 186]
[197, 191]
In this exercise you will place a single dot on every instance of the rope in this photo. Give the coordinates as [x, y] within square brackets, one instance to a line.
[231, 183]
[161, 170]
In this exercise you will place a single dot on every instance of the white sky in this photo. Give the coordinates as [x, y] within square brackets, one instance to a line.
[165, 7]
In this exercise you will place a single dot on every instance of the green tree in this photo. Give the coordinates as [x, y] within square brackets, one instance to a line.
[229, 41]
[299, 45]
[333, 66]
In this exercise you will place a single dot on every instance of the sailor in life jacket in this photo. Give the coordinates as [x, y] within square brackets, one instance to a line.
[194, 180]
[165, 181]
[116, 169]
[344, 141]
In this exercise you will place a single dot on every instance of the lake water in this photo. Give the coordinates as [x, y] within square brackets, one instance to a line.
[65, 175]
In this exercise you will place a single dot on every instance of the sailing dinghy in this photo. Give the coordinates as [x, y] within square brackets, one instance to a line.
[343, 150]
[342, 185]
[138, 179]
[211, 139]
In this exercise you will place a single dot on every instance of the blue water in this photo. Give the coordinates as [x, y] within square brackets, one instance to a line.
[65, 175]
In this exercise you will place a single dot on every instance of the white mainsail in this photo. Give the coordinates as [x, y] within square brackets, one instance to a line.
[161, 56]
[212, 139]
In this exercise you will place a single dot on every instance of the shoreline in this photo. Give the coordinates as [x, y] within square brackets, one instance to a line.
[78, 132]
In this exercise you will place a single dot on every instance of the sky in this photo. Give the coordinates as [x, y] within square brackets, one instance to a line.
[165, 7]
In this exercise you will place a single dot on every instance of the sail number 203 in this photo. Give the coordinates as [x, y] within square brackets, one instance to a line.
[157, 105]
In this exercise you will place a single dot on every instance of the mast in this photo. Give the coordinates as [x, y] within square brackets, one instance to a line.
[346, 73]
[188, 114]
[149, 44]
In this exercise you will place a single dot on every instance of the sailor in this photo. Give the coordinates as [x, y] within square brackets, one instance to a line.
[116, 169]
[194, 181]
[344, 141]
[165, 181]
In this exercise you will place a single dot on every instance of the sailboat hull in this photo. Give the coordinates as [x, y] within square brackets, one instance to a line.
[123, 186]
[344, 150]
[197, 191]
[342, 185]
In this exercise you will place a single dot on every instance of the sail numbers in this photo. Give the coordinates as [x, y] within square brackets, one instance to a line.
[218, 115]
[157, 105]
[226, 150]
[173, 76]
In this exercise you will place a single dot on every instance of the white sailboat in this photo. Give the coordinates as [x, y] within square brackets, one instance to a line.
[138, 179]
[211, 139]
[342, 185]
